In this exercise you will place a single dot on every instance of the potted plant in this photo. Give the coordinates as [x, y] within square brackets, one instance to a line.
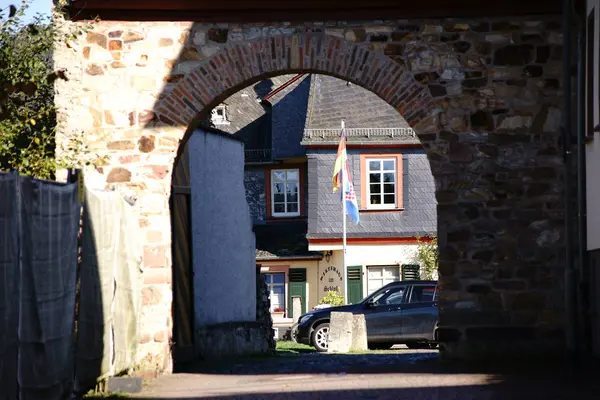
[277, 312]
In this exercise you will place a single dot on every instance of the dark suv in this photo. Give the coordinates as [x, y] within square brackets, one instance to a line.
[402, 312]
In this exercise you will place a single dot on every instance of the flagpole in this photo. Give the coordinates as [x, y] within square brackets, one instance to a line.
[344, 216]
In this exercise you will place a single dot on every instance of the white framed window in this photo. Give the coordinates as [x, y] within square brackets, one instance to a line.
[379, 276]
[276, 286]
[381, 188]
[218, 115]
[285, 198]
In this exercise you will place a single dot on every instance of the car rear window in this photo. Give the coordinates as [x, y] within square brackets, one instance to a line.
[424, 293]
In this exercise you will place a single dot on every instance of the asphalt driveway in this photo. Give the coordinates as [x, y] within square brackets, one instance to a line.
[397, 374]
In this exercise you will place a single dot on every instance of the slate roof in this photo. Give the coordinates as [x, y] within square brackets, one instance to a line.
[368, 118]
[282, 240]
[248, 119]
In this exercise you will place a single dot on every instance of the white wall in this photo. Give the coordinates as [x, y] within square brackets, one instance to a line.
[223, 243]
[593, 148]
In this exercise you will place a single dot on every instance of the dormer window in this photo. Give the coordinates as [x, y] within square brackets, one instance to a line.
[219, 115]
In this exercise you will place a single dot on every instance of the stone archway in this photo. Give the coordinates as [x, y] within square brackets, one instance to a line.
[484, 106]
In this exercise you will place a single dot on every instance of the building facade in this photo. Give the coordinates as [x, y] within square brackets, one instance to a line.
[291, 128]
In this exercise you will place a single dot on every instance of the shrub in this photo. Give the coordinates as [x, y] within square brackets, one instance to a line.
[333, 298]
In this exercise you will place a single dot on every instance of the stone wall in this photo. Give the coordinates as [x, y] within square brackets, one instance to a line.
[263, 305]
[483, 96]
[254, 181]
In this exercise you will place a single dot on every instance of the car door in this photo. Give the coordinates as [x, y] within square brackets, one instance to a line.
[420, 313]
[383, 316]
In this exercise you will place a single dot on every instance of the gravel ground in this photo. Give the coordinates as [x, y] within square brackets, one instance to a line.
[400, 374]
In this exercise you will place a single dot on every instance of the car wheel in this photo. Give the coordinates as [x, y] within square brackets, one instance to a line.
[320, 337]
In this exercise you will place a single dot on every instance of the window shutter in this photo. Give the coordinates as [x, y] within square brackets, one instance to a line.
[355, 293]
[411, 272]
[404, 183]
[297, 288]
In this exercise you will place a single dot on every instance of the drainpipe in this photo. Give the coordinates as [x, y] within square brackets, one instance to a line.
[581, 189]
[570, 281]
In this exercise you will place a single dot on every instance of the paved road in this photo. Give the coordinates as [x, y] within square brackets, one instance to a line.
[404, 374]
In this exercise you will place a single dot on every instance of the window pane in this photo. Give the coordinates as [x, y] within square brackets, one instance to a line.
[292, 188]
[388, 165]
[279, 176]
[277, 289]
[388, 177]
[292, 207]
[388, 188]
[277, 301]
[278, 278]
[375, 272]
[374, 165]
[389, 199]
[279, 208]
[292, 198]
[391, 272]
[376, 188]
[292, 175]
[375, 199]
[422, 294]
[279, 198]
[268, 278]
[396, 297]
[278, 188]
[375, 178]
[374, 285]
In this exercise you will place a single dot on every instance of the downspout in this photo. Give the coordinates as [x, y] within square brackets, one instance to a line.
[570, 281]
[586, 342]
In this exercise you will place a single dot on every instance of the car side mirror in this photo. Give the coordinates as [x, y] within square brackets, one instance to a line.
[370, 303]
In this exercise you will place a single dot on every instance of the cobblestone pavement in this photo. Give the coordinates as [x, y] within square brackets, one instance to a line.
[403, 374]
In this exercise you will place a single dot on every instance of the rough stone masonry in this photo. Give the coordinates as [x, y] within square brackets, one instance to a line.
[483, 97]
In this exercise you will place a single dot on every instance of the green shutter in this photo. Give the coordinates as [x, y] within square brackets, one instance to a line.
[411, 272]
[355, 286]
[297, 287]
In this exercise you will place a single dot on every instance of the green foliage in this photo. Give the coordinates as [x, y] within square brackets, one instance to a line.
[428, 255]
[27, 77]
[333, 298]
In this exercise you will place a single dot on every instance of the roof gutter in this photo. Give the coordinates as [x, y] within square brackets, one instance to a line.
[291, 258]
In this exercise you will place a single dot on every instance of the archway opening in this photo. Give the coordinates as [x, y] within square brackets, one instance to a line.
[290, 127]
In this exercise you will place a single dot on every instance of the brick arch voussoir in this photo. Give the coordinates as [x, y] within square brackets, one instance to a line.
[243, 63]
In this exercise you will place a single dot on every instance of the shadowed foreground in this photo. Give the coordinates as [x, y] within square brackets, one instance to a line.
[401, 374]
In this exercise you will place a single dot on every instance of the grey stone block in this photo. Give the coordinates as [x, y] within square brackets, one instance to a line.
[340, 332]
[359, 333]
[124, 384]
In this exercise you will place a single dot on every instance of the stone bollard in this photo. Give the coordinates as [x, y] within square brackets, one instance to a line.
[340, 332]
[359, 333]
[347, 332]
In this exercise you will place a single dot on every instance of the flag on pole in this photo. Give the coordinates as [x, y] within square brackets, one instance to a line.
[341, 167]
[350, 197]
[340, 159]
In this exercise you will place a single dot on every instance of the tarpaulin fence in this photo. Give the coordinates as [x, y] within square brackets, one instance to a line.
[111, 286]
[42, 355]
[39, 224]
